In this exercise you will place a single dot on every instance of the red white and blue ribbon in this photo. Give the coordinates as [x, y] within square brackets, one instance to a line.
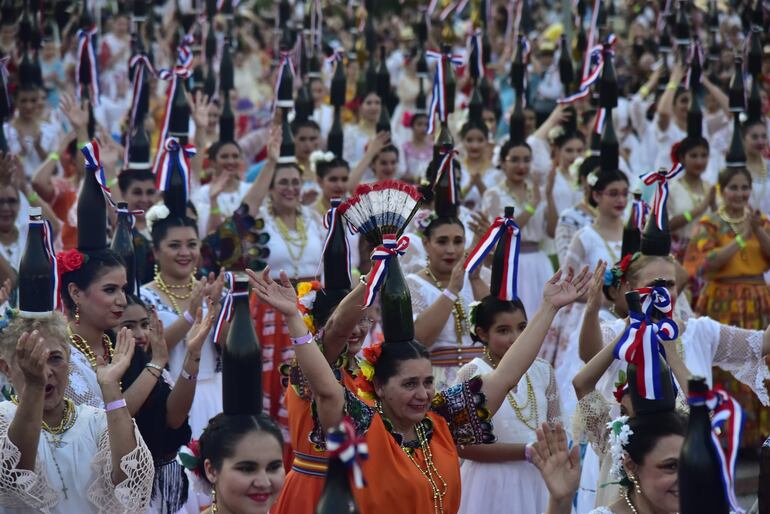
[94, 164]
[349, 448]
[316, 24]
[727, 418]
[173, 153]
[501, 225]
[132, 214]
[595, 56]
[391, 247]
[184, 53]
[438, 100]
[174, 77]
[476, 43]
[4, 74]
[49, 250]
[695, 49]
[661, 177]
[601, 117]
[639, 211]
[447, 165]
[86, 52]
[286, 62]
[331, 220]
[592, 33]
[226, 313]
[640, 343]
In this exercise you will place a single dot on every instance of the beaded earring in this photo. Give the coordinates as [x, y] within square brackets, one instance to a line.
[77, 315]
[635, 481]
[213, 500]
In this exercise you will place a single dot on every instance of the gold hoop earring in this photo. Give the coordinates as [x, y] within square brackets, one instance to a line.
[213, 500]
[77, 315]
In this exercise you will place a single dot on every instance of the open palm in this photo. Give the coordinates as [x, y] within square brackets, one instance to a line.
[111, 372]
[560, 292]
[280, 296]
[559, 466]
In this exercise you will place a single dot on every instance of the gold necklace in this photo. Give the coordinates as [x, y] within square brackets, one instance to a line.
[531, 402]
[512, 194]
[69, 416]
[734, 224]
[628, 501]
[81, 344]
[458, 311]
[430, 472]
[695, 197]
[300, 240]
[173, 297]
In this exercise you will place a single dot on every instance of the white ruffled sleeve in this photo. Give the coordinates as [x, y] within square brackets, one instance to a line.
[589, 422]
[21, 488]
[739, 352]
[132, 494]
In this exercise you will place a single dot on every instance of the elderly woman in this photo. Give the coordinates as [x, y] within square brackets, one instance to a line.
[58, 457]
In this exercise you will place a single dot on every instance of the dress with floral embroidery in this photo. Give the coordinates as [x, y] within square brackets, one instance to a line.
[458, 416]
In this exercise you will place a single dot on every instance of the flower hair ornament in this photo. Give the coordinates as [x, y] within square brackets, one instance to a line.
[320, 156]
[574, 168]
[592, 178]
[614, 275]
[156, 213]
[365, 375]
[555, 133]
[423, 219]
[473, 310]
[621, 386]
[306, 295]
[620, 433]
[71, 260]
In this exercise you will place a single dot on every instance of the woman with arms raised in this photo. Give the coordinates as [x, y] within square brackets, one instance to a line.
[412, 432]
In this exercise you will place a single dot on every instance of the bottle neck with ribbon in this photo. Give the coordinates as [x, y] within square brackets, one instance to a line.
[346, 452]
[241, 354]
[649, 377]
[395, 298]
[706, 468]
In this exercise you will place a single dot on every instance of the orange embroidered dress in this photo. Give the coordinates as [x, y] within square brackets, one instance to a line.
[736, 295]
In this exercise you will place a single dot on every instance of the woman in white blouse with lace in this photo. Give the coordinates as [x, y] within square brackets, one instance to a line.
[83, 459]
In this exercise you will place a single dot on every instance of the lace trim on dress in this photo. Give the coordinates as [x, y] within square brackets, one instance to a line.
[132, 494]
[589, 422]
[740, 352]
[21, 488]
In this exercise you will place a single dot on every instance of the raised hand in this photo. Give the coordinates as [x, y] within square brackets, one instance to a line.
[199, 109]
[5, 291]
[559, 466]
[559, 292]
[197, 294]
[201, 328]
[76, 113]
[111, 373]
[457, 279]
[274, 144]
[595, 290]
[280, 296]
[32, 358]
[157, 341]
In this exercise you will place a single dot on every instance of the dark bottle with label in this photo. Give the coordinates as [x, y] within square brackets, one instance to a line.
[35, 268]
[395, 301]
[700, 481]
[123, 245]
[241, 358]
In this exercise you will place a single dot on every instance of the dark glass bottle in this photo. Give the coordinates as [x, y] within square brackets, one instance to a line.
[444, 203]
[631, 234]
[35, 269]
[179, 124]
[92, 208]
[763, 491]
[241, 358]
[337, 254]
[498, 258]
[566, 70]
[123, 245]
[226, 119]
[450, 81]
[700, 482]
[334, 141]
[396, 303]
[336, 497]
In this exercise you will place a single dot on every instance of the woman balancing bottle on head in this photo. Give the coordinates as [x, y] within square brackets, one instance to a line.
[412, 432]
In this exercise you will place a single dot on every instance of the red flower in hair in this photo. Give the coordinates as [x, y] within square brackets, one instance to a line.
[71, 260]
[619, 391]
[372, 353]
[625, 262]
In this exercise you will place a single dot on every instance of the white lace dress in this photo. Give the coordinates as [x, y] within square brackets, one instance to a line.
[84, 466]
[208, 390]
[424, 294]
[518, 486]
[534, 265]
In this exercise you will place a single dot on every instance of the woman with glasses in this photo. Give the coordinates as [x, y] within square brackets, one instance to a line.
[535, 214]
[600, 241]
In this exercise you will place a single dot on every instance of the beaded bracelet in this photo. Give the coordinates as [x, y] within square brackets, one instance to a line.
[188, 376]
[117, 404]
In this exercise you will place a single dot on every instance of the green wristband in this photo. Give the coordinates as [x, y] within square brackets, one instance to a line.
[528, 208]
[741, 242]
[82, 145]
[54, 156]
[33, 197]
[687, 216]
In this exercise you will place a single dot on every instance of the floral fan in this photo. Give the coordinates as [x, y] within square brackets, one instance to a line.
[382, 208]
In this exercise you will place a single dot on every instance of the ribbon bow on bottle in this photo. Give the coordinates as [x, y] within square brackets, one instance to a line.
[447, 165]
[639, 212]
[590, 73]
[640, 343]
[349, 448]
[501, 225]
[391, 247]
[727, 418]
[331, 220]
[175, 78]
[94, 164]
[226, 312]
[661, 178]
[173, 154]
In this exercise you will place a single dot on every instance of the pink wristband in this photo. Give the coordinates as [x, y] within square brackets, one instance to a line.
[449, 294]
[299, 341]
[117, 404]
[188, 317]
